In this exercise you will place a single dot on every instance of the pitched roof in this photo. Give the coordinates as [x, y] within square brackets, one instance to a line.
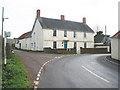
[48, 23]
[25, 35]
[117, 34]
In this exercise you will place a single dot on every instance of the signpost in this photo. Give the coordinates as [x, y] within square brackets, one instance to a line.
[6, 34]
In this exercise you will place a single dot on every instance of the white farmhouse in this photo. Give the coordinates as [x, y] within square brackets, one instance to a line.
[57, 34]
[115, 46]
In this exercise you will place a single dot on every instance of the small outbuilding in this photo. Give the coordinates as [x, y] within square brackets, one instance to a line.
[115, 46]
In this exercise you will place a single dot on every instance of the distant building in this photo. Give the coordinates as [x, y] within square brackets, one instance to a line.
[115, 46]
[56, 34]
[102, 41]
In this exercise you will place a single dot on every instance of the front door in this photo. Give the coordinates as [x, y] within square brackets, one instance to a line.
[65, 44]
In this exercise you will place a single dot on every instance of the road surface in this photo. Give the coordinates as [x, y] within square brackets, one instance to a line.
[34, 61]
[80, 71]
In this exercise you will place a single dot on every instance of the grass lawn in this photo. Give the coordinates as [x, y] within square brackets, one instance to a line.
[14, 74]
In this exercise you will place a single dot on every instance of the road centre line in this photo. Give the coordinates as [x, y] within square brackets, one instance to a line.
[95, 74]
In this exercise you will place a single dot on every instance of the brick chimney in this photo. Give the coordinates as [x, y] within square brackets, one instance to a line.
[84, 20]
[62, 17]
[38, 13]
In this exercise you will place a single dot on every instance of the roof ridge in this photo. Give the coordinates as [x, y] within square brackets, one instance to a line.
[61, 20]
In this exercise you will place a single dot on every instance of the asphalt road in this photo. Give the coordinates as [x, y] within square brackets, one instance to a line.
[80, 71]
[34, 61]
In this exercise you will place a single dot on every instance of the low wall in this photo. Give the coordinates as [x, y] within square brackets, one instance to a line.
[70, 50]
[93, 50]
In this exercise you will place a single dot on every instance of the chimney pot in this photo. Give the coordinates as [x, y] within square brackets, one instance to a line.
[84, 20]
[62, 17]
[38, 13]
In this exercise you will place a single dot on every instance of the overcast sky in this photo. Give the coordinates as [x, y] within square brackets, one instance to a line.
[22, 13]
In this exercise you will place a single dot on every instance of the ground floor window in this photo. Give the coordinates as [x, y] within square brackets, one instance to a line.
[75, 45]
[20, 45]
[54, 44]
[85, 45]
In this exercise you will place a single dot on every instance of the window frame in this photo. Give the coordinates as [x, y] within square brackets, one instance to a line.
[74, 34]
[54, 44]
[75, 44]
[54, 32]
[85, 34]
[85, 44]
[65, 33]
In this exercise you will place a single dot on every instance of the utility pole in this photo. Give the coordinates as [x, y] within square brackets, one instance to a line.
[3, 47]
[2, 19]
[105, 30]
[1, 44]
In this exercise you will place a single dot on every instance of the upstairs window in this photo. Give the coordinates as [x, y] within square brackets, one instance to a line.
[74, 34]
[54, 32]
[84, 34]
[65, 33]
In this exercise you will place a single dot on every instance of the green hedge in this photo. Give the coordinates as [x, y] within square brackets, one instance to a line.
[15, 74]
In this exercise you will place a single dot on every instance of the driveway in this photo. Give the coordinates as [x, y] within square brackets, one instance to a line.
[34, 61]
[80, 71]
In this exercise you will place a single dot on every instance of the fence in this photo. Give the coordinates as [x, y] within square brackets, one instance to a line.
[70, 50]
[93, 50]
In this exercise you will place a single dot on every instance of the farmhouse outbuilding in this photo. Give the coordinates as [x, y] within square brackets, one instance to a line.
[115, 46]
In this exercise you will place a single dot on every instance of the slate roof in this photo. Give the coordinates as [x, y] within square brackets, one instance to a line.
[48, 23]
[25, 35]
[57, 24]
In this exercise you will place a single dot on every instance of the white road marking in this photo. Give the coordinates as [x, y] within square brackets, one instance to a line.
[38, 75]
[40, 71]
[37, 78]
[95, 74]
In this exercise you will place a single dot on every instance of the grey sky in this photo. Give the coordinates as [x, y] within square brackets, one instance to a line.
[22, 13]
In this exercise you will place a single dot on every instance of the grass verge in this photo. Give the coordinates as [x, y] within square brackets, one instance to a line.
[15, 75]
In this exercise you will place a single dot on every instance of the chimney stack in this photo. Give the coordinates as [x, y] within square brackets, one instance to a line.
[62, 17]
[84, 20]
[38, 13]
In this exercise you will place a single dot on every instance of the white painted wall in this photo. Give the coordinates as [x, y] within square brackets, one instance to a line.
[115, 45]
[35, 42]
[80, 39]
[37, 37]
[108, 47]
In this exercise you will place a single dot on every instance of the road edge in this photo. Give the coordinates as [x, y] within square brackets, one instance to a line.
[36, 82]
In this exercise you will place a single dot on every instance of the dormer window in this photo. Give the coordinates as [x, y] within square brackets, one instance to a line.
[54, 32]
